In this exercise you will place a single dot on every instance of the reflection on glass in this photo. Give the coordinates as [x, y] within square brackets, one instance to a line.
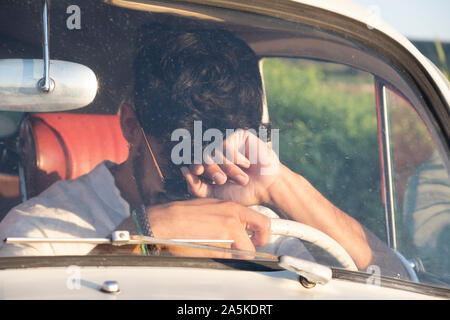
[422, 189]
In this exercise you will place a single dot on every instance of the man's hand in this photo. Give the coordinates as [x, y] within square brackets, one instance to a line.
[267, 181]
[243, 150]
[209, 219]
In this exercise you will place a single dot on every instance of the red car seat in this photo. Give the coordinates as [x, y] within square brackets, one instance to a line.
[57, 146]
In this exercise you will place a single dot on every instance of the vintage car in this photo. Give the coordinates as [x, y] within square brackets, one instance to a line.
[361, 114]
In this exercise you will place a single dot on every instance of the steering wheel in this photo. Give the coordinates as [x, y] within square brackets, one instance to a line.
[306, 233]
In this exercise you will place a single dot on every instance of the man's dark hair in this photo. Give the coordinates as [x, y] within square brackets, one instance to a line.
[183, 76]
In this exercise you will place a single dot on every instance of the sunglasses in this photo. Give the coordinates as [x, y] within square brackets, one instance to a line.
[175, 189]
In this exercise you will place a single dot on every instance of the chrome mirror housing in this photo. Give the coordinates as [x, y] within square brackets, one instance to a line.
[72, 86]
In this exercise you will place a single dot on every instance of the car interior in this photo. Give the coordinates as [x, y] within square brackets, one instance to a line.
[105, 45]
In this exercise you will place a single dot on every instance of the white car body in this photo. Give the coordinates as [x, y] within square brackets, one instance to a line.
[176, 283]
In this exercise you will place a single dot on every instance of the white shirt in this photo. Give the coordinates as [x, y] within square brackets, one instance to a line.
[89, 207]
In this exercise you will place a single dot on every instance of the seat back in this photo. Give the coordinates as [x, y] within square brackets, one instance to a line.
[63, 146]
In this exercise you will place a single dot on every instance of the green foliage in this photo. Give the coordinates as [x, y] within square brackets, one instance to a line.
[328, 132]
[438, 52]
[442, 58]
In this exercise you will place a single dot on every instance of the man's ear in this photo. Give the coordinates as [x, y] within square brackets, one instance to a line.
[129, 124]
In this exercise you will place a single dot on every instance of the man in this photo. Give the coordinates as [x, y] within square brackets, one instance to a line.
[182, 77]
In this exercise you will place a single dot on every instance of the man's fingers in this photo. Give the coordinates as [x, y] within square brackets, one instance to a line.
[196, 169]
[234, 155]
[201, 253]
[195, 185]
[238, 232]
[247, 219]
[233, 172]
[220, 169]
[258, 223]
[241, 160]
[243, 242]
[214, 172]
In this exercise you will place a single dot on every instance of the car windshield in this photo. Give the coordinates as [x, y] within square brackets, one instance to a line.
[223, 129]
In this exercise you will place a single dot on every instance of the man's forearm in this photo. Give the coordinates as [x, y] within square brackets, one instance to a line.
[294, 197]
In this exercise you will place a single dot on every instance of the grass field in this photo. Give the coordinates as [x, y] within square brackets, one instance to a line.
[328, 132]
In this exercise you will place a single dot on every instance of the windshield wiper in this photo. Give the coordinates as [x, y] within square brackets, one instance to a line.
[118, 238]
[311, 271]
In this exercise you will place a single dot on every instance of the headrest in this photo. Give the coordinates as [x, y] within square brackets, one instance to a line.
[57, 146]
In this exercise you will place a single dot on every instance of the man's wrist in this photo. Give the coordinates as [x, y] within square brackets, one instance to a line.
[277, 191]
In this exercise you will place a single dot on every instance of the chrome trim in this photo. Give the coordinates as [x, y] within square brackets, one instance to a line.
[110, 287]
[75, 86]
[311, 271]
[120, 238]
[45, 84]
[389, 203]
[409, 268]
[416, 264]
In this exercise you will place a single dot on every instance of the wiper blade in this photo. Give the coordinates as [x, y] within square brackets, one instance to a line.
[311, 271]
[120, 238]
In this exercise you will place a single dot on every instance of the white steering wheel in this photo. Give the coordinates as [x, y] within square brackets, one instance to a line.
[306, 233]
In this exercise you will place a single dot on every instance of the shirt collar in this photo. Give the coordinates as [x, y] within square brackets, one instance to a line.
[104, 184]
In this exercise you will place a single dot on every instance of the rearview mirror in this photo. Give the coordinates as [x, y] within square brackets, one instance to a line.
[72, 86]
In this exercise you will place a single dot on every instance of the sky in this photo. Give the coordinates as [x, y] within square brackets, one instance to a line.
[416, 19]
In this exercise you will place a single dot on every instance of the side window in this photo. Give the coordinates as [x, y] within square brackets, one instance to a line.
[326, 114]
[422, 188]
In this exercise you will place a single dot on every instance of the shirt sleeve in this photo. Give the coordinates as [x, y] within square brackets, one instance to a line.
[385, 258]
